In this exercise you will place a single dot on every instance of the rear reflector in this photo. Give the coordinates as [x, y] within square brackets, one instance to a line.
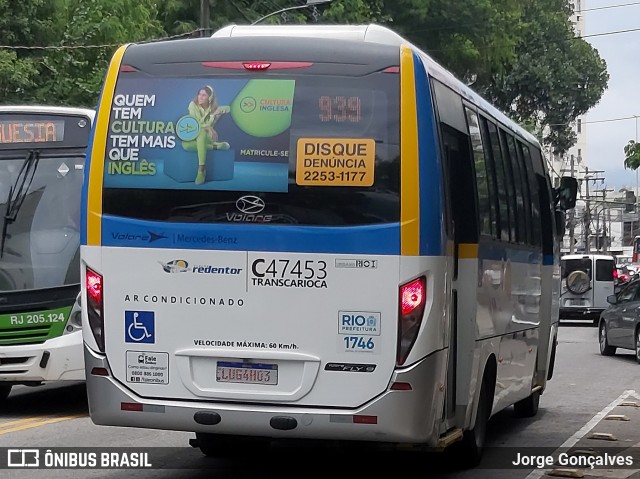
[360, 419]
[131, 406]
[99, 372]
[401, 387]
[395, 69]
[127, 68]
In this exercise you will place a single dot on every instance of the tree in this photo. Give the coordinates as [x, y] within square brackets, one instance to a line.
[632, 155]
[555, 77]
[93, 29]
[522, 55]
[22, 24]
[475, 39]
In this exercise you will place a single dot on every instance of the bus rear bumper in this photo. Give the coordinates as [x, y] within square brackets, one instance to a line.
[57, 359]
[398, 416]
[580, 313]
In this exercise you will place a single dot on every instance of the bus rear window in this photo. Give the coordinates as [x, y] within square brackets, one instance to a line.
[296, 149]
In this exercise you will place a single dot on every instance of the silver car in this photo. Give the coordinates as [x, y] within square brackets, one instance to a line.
[619, 325]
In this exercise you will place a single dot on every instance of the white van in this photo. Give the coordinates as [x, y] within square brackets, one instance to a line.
[587, 280]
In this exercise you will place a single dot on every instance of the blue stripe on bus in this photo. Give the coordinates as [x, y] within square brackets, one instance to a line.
[502, 251]
[548, 260]
[431, 240]
[370, 239]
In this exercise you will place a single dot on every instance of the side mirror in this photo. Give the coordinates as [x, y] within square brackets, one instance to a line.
[567, 193]
[611, 299]
[560, 223]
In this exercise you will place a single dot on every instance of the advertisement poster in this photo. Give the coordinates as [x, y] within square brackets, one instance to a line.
[208, 134]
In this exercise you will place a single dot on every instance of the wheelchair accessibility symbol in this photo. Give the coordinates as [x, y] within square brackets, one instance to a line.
[139, 327]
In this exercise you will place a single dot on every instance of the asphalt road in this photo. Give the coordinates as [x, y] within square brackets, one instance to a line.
[583, 385]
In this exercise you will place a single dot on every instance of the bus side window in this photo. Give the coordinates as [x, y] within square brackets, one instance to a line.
[458, 188]
[491, 178]
[526, 193]
[456, 148]
[511, 193]
[545, 198]
[485, 214]
[501, 182]
[521, 192]
[536, 239]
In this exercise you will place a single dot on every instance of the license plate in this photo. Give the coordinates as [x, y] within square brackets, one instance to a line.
[577, 302]
[247, 373]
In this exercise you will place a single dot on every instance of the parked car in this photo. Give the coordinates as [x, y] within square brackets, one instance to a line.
[621, 276]
[620, 323]
[587, 280]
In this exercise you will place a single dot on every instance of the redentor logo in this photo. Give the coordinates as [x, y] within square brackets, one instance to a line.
[250, 205]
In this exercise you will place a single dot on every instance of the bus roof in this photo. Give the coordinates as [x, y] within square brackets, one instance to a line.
[373, 33]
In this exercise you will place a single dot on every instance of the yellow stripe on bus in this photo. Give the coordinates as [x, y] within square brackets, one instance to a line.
[467, 251]
[94, 194]
[409, 171]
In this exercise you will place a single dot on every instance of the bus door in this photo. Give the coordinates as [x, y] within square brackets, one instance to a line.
[461, 228]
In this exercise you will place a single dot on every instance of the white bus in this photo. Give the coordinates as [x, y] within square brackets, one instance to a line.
[287, 238]
[42, 153]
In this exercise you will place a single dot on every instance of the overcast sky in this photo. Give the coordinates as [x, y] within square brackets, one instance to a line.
[606, 140]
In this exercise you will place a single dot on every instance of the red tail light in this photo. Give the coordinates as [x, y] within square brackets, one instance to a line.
[413, 296]
[94, 286]
[94, 306]
[257, 65]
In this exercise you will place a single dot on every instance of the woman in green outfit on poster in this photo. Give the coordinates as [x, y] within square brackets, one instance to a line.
[204, 108]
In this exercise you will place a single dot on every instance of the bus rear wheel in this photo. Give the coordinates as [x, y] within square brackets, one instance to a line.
[471, 446]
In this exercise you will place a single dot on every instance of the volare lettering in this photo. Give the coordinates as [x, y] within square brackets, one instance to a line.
[238, 217]
[130, 237]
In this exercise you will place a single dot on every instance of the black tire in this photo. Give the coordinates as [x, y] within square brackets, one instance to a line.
[472, 444]
[605, 349]
[527, 407]
[5, 389]
[637, 345]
